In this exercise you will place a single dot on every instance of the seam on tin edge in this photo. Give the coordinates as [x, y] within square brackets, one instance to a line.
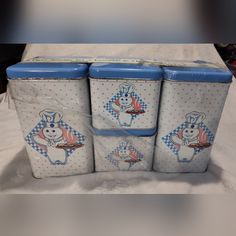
[144, 79]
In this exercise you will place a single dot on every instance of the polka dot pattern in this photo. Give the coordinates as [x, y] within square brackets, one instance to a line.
[71, 99]
[103, 90]
[104, 146]
[178, 99]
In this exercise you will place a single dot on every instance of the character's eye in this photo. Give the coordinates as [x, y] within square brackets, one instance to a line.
[124, 148]
[122, 99]
[186, 131]
[126, 99]
[192, 126]
[191, 131]
[47, 130]
[53, 130]
[126, 95]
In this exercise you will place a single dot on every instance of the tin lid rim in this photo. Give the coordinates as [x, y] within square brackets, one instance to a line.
[126, 132]
[125, 71]
[41, 70]
[197, 74]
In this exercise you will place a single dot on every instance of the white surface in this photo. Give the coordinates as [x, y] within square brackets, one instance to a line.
[15, 171]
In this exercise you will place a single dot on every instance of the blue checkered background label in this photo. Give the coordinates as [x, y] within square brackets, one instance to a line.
[167, 139]
[29, 138]
[109, 108]
[116, 162]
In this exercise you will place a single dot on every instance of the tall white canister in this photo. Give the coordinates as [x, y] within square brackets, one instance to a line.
[125, 96]
[52, 102]
[191, 106]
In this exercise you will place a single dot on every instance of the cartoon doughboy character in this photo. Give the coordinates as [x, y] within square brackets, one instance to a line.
[126, 156]
[190, 137]
[123, 156]
[125, 104]
[53, 136]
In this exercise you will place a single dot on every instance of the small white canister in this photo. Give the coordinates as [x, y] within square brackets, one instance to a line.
[52, 102]
[191, 106]
[114, 152]
[124, 96]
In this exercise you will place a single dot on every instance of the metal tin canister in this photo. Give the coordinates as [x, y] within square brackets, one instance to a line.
[114, 152]
[124, 96]
[191, 106]
[52, 102]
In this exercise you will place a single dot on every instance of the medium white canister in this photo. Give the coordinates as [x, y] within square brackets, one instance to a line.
[191, 106]
[125, 152]
[124, 96]
[52, 102]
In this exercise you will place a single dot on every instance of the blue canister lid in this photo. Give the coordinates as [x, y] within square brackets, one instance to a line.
[125, 71]
[197, 74]
[125, 132]
[47, 70]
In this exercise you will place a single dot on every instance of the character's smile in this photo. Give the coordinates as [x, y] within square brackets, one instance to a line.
[188, 135]
[52, 135]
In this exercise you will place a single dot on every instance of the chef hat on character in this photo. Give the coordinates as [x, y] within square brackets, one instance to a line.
[194, 118]
[126, 88]
[51, 118]
[123, 145]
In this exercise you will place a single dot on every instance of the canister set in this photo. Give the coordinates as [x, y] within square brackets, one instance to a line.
[143, 116]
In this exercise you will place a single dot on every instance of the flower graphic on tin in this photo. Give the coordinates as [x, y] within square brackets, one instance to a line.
[53, 138]
[124, 156]
[126, 105]
[190, 138]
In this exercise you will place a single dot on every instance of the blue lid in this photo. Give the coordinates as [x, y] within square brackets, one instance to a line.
[125, 71]
[197, 74]
[47, 70]
[126, 132]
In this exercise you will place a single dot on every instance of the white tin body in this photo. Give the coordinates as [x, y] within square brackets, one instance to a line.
[111, 111]
[54, 118]
[189, 116]
[114, 153]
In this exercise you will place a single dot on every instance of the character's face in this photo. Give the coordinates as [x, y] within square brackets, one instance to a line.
[124, 152]
[52, 133]
[190, 133]
[125, 100]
